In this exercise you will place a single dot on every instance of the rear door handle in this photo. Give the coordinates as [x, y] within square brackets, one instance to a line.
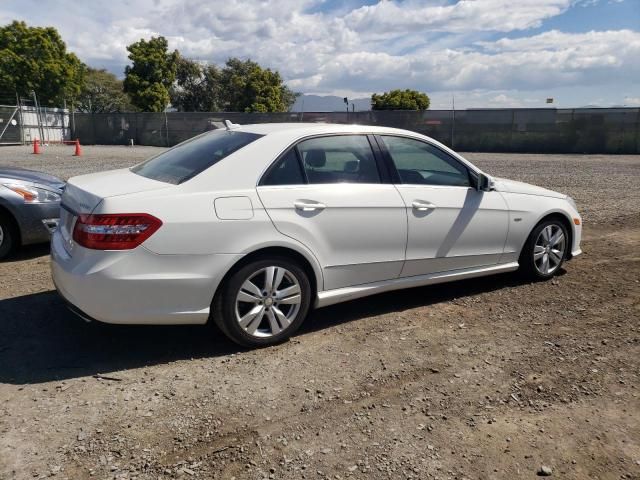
[309, 205]
[422, 205]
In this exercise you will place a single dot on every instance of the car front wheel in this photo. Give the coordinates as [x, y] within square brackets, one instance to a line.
[263, 302]
[7, 237]
[545, 250]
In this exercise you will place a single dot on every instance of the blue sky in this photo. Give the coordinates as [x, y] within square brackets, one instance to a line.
[486, 53]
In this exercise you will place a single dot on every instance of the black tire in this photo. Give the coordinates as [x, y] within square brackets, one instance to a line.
[8, 235]
[527, 263]
[224, 304]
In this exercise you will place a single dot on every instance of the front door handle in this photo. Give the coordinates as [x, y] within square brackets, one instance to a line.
[309, 205]
[422, 206]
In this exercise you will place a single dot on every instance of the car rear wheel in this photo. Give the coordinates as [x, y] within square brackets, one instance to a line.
[7, 237]
[545, 250]
[263, 302]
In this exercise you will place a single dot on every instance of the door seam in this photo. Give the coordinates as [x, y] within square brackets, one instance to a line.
[406, 219]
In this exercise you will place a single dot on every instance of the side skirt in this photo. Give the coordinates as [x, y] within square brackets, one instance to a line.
[330, 297]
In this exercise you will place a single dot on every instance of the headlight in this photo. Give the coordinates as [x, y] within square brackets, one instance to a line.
[572, 202]
[34, 194]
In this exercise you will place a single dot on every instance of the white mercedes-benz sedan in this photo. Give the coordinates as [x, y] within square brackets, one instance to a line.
[251, 226]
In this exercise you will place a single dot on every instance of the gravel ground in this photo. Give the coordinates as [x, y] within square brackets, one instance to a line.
[490, 379]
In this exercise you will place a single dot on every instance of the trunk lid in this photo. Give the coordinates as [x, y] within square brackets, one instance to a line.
[85, 192]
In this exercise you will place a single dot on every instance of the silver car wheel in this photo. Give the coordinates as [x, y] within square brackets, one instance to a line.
[549, 249]
[268, 301]
[1, 236]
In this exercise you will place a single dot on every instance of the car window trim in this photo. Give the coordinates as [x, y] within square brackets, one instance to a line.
[396, 175]
[377, 155]
[305, 177]
[383, 169]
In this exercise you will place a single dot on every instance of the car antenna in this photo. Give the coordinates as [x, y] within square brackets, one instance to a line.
[230, 125]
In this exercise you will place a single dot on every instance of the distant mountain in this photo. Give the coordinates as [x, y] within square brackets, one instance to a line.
[328, 103]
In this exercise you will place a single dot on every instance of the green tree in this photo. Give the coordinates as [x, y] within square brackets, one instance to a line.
[400, 100]
[196, 88]
[102, 93]
[150, 77]
[36, 59]
[247, 87]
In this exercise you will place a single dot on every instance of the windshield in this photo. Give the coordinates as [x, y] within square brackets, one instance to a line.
[188, 159]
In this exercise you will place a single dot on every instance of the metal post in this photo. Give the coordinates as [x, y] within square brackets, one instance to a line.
[21, 120]
[513, 121]
[136, 116]
[73, 119]
[93, 127]
[46, 125]
[38, 118]
[453, 119]
[166, 126]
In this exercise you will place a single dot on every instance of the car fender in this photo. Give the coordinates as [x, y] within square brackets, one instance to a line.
[525, 212]
[291, 244]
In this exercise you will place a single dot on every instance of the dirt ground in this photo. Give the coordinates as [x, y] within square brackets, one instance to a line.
[489, 378]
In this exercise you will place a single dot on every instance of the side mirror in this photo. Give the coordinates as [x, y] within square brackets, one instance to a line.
[483, 183]
[480, 182]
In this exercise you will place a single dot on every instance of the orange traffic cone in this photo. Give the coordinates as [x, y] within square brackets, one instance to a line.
[36, 146]
[78, 152]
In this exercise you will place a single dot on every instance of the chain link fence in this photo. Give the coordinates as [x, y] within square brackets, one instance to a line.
[10, 132]
[23, 120]
[24, 124]
[587, 130]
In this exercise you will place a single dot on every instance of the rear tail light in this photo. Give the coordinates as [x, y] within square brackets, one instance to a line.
[122, 231]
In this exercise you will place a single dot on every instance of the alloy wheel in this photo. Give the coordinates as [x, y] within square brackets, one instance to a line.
[549, 249]
[1, 236]
[268, 301]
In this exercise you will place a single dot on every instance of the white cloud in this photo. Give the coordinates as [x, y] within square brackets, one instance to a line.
[542, 61]
[463, 16]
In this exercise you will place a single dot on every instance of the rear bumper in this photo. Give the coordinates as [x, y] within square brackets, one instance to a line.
[137, 286]
[75, 309]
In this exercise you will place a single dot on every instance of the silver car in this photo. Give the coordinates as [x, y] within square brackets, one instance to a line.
[29, 207]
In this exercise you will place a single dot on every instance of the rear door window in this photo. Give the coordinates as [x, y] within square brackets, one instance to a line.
[188, 159]
[339, 159]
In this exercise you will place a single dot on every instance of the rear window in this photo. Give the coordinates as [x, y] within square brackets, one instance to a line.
[188, 159]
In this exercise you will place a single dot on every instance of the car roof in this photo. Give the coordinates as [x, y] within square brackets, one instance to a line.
[303, 129]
